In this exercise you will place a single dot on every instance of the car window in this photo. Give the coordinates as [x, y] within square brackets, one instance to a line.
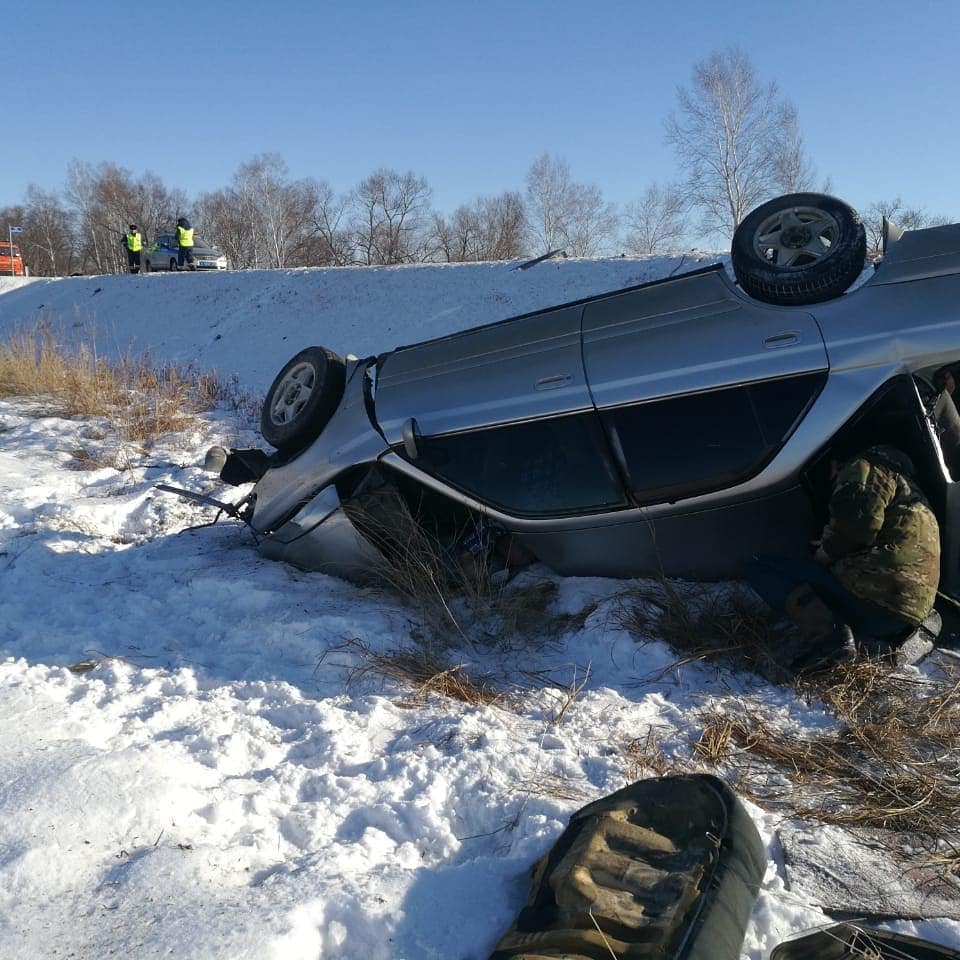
[687, 445]
[553, 467]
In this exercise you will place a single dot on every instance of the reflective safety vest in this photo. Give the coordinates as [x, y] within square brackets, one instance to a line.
[184, 237]
[134, 242]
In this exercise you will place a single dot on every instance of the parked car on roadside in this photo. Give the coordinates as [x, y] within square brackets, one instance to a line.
[162, 254]
[676, 427]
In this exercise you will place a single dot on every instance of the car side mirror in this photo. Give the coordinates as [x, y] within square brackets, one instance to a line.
[891, 233]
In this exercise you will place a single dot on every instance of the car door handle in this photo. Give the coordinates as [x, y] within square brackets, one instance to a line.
[784, 339]
[551, 383]
[410, 434]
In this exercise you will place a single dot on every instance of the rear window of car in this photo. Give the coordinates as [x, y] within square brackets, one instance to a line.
[683, 446]
[553, 467]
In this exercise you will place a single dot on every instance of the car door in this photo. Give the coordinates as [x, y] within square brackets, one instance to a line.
[697, 386]
[514, 370]
[503, 414]
[691, 334]
[166, 250]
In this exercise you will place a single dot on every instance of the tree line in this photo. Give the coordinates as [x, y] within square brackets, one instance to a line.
[736, 141]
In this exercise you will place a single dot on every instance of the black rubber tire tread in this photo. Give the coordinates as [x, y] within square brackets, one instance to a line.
[327, 392]
[793, 286]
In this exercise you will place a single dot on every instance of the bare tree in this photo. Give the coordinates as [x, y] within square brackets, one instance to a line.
[332, 242]
[907, 218]
[48, 241]
[228, 225]
[794, 171]
[81, 195]
[564, 214]
[263, 219]
[657, 221]
[390, 218]
[491, 229]
[736, 139]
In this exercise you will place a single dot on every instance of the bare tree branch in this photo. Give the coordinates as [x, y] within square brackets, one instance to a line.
[737, 141]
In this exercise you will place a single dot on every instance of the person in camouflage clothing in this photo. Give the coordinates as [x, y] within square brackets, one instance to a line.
[877, 564]
[882, 541]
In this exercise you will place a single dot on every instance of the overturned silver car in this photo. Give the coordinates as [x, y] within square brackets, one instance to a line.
[672, 428]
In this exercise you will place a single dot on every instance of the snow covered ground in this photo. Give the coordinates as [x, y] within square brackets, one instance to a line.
[214, 777]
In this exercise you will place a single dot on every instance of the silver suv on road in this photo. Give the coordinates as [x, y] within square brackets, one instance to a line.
[162, 255]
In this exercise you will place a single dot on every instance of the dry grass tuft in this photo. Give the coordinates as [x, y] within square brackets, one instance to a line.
[455, 602]
[84, 459]
[645, 758]
[702, 623]
[890, 763]
[144, 401]
[887, 764]
[557, 787]
[428, 675]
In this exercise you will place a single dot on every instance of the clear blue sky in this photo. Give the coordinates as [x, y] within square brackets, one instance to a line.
[466, 93]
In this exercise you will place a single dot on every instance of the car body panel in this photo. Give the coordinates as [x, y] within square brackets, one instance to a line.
[322, 537]
[681, 337]
[691, 333]
[515, 370]
[919, 255]
[348, 439]
[914, 322]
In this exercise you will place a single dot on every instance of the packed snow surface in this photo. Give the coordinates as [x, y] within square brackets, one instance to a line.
[195, 760]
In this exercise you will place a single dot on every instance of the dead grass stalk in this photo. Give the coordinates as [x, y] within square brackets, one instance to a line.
[143, 400]
[701, 622]
[457, 601]
[428, 674]
[890, 762]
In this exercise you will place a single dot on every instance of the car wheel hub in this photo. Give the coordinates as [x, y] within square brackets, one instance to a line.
[294, 393]
[795, 237]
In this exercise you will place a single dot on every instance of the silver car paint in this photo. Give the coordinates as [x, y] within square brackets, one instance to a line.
[514, 370]
[657, 342]
[335, 547]
[348, 439]
[682, 335]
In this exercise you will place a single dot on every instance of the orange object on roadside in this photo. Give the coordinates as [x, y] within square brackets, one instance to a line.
[11, 263]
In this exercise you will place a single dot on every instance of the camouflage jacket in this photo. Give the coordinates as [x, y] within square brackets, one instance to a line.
[882, 538]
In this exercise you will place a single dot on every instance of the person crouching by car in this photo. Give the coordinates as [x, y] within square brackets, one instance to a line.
[184, 244]
[133, 242]
[876, 569]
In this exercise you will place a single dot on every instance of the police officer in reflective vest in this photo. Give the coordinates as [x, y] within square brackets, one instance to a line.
[134, 244]
[184, 243]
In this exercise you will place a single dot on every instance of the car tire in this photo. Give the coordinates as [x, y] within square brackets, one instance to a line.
[302, 399]
[797, 249]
